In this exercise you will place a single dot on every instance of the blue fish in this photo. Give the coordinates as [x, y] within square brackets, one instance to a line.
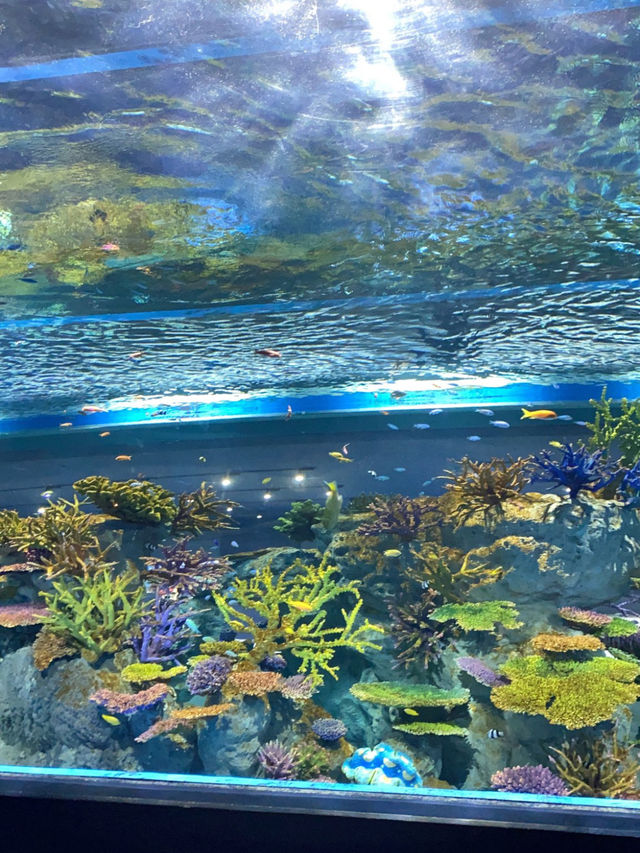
[393, 426]
[382, 478]
[473, 438]
[421, 426]
[565, 418]
[580, 423]
[399, 470]
[500, 424]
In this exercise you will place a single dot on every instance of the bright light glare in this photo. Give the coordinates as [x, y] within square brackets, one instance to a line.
[225, 482]
[299, 478]
[267, 496]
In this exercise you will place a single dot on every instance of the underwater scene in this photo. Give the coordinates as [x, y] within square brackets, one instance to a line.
[319, 399]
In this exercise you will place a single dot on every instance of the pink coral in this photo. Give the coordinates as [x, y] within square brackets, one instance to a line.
[18, 615]
[129, 703]
[297, 687]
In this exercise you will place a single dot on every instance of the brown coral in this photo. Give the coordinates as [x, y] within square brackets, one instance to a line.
[483, 487]
[128, 703]
[49, 647]
[556, 642]
[188, 716]
[584, 619]
[19, 615]
[252, 683]
[299, 688]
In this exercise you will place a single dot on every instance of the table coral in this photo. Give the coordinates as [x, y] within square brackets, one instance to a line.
[479, 616]
[139, 673]
[482, 673]
[18, 615]
[137, 501]
[129, 703]
[396, 694]
[189, 716]
[562, 643]
[439, 729]
[252, 683]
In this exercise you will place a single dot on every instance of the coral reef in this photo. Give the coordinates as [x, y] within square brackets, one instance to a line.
[297, 523]
[479, 616]
[577, 470]
[451, 573]
[328, 729]
[623, 430]
[381, 765]
[484, 487]
[287, 612]
[479, 671]
[48, 647]
[604, 767]
[529, 779]
[137, 501]
[438, 729]
[396, 694]
[189, 717]
[406, 518]
[252, 683]
[584, 619]
[278, 761]
[162, 633]
[62, 523]
[208, 676]
[141, 673]
[417, 639]
[130, 703]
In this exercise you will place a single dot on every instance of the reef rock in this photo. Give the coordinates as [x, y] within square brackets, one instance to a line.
[228, 745]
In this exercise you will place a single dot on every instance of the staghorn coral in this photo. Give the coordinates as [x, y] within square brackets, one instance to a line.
[19, 615]
[181, 571]
[62, 523]
[439, 729]
[130, 703]
[406, 518]
[201, 510]
[297, 523]
[416, 639]
[11, 527]
[361, 503]
[139, 673]
[451, 573]
[96, 613]
[208, 675]
[48, 647]
[328, 729]
[83, 561]
[396, 694]
[563, 643]
[183, 717]
[482, 673]
[286, 612]
[252, 683]
[163, 634]
[484, 487]
[277, 760]
[598, 768]
[577, 470]
[608, 429]
[568, 693]
[479, 616]
[137, 501]
[529, 779]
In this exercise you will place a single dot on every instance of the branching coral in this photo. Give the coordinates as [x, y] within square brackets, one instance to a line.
[62, 523]
[201, 510]
[287, 612]
[406, 518]
[183, 717]
[71, 558]
[416, 638]
[11, 527]
[297, 522]
[563, 643]
[529, 779]
[622, 429]
[484, 487]
[163, 634]
[568, 693]
[577, 470]
[451, 573]
[182, 571]
[96, 613]
[479, 616]
[598, 768]
[137, 501]
[396, 694]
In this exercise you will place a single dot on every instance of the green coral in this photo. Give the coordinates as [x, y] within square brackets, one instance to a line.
[298, 521]
[138, 673]
[480, 616]
[140, 502]
[623, 429]
[286, 612]
[568, 693]
[11, 526]
[432, 729]
[450, 572]
[396, 694]
[95, 613]
[618, 627]
[61, 523]
[201, 510]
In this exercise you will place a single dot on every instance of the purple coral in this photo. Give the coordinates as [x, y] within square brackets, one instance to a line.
[401, 516]
[578, 469]
[481, 672]
[164, 635]
[529, 779]
[277, 760]
[298, 687]
[209, 675]
[185, 572]
[273, 663]
[328, 729]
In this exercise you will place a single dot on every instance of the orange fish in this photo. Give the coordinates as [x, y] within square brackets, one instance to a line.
[123, 458]
[538, 414]
[67, 424]
[90, 410]
[137, 354]
[270, 353]
[103, 434]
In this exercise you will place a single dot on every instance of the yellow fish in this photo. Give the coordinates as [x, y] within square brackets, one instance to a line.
[103, 434]
[108, 718]
[538, 414]
[266, 480]
[557, 444]
[392, 552]
[339, 456]
[411, 712]
[302, 606]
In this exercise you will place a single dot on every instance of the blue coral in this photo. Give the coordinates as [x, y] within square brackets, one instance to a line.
[577, 470]
[328, 729]
[630, 486]
[381, 765]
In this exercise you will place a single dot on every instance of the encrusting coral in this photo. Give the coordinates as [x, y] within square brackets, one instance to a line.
[529, 779]
[287, 612]
[483, 487]
[479, 616]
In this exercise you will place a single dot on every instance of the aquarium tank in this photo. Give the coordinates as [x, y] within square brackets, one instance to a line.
[320, 400]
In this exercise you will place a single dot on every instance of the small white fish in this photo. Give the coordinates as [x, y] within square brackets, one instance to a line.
[492, 734]
[427, 482]
[488, 412]
[372, 472]
[500, 424]
[393, 426]
[473, 438]
[421, 426]
[382, 478]
[46, 495]
[580, 423]
[400, 470]
[435, 412]
[424, 584]
[234, 544]
[345, 449]
[565, 418]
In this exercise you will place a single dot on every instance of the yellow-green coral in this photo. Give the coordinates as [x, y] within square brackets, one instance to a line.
[568, 693]
[442, 729]
[138, 673]
[479, 616]
[286, 612]
[396, 694]
[62, 522]
[560, 643]
[450, 572]
[141, 502]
